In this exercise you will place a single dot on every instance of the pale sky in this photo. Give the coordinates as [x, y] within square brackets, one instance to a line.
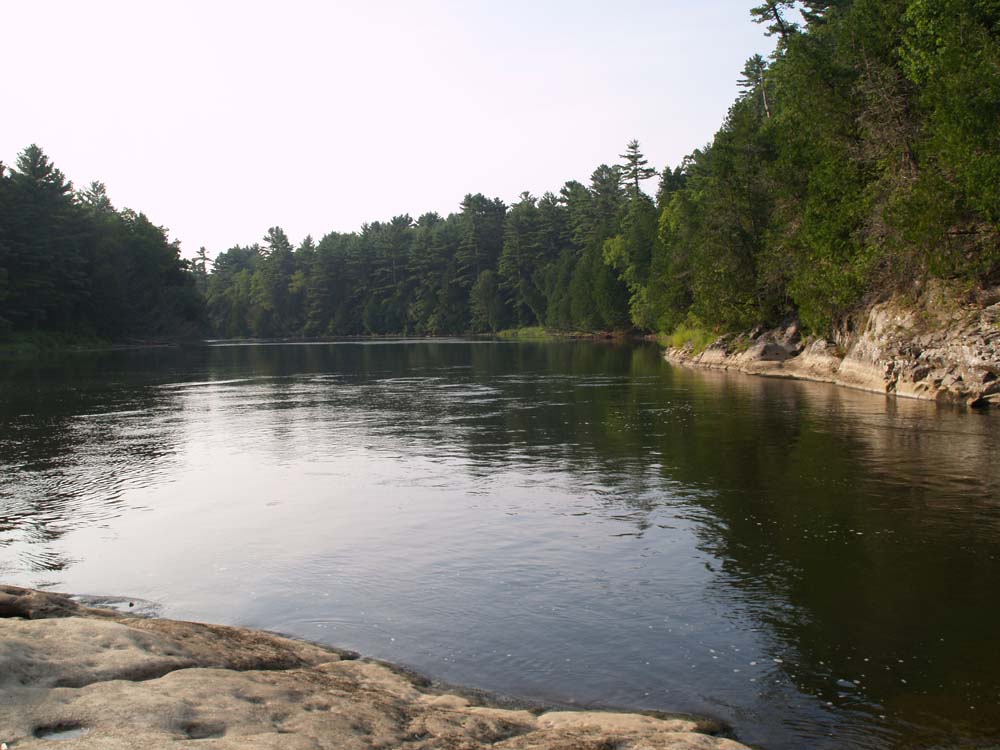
[221, 119]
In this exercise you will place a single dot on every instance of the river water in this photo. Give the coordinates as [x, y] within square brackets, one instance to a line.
[572, 522]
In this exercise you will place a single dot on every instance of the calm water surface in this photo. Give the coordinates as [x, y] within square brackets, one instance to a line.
[573, 522]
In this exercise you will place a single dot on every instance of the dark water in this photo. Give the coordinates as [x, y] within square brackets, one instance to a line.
[573, 522]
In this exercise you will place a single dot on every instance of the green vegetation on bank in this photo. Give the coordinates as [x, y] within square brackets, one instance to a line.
[527, 333]
[31, 343]
[689, 334]
[862, 156]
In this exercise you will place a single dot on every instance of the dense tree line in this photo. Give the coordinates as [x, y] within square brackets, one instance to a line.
[862, 156]
[70, 263]
[484, 268]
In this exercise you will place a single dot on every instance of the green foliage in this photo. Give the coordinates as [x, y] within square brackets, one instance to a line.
[635, 169]
[631, 255]
[692, 335]
[33, 343]
[754, 83]
[951, 52]
[527, 249]
[864, 154]
[487, 304]
[487, 267]
[528, 333]
[774, 14]
[73, 266]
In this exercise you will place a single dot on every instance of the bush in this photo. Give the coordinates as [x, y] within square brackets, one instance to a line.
[691, 334]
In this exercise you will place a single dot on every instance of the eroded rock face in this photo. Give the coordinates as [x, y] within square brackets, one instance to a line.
[111, 681]
[935, 347]
[949, 355]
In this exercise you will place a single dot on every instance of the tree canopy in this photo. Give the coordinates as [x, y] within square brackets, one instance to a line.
[72, 263]
[862, 156]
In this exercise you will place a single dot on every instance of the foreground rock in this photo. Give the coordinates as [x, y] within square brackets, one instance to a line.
[939, 347]
[107, 680]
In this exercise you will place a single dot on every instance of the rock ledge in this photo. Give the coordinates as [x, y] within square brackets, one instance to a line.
[111, 681]
[937, 347]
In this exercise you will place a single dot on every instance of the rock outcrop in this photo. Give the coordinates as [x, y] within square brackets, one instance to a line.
[109, 681]
[935, 348]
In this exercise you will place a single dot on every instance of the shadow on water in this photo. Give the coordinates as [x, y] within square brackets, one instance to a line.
[571, 521]
[861, 533]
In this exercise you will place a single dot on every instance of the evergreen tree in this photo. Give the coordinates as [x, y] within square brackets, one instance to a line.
[487, 304]
[523, 254]
[753, 84]
[634, 169]
[771, 12]
[95, 198]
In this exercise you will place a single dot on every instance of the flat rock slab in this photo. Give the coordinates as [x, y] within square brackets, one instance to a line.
[92, 679]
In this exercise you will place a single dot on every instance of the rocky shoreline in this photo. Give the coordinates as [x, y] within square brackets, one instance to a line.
[941, 346]
[110, 680]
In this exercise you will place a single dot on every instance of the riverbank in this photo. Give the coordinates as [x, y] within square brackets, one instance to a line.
[939, 346]
[36, 345]
[539, 333]
[32, 344]
[107, 679]
[28, 345]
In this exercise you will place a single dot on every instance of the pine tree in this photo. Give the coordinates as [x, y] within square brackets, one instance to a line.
[523, 253]
[770, 13]
[200, 268]
[752, 82]
[634, 169]
[95, 197]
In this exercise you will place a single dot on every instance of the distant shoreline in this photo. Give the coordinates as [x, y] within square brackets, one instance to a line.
[29, 346]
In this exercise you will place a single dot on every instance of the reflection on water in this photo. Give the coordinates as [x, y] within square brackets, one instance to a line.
[574, 522]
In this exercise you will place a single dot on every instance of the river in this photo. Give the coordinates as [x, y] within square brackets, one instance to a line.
[574, 522]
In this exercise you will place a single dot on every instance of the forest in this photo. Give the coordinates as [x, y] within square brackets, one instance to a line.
[860, 158]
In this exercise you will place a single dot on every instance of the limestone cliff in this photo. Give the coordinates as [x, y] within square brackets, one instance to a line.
[939, 345]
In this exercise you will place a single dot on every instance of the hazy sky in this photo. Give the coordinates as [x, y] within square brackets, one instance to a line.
[220, 119]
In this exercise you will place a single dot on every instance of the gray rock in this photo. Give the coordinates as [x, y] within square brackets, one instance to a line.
[111, 681]
[940, 348]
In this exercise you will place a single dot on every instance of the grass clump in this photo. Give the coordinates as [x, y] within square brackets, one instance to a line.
[528, 333]
[690, 334]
